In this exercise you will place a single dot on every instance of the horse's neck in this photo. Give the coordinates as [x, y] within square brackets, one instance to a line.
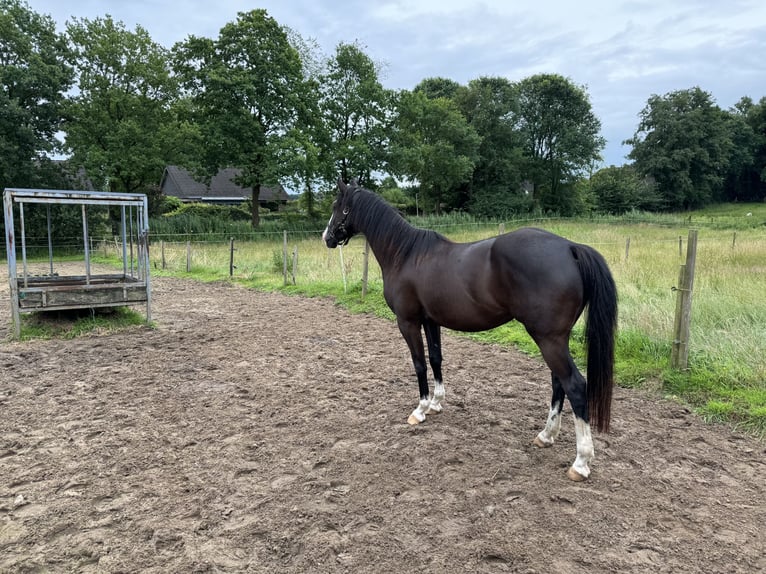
[391, 240]
[390, 250]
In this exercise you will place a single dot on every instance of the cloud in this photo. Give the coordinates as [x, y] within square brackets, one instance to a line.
[623, 52]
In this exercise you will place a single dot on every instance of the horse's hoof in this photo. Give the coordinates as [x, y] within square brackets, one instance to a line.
[432, 411]
[572, 474]
[413, 420]
[538, 442]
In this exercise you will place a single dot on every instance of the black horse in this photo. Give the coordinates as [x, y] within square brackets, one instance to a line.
[540, 279]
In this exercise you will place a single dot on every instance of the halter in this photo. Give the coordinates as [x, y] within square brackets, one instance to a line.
[342, 227]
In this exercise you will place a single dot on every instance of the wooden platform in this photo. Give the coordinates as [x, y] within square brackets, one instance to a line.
[48, 293]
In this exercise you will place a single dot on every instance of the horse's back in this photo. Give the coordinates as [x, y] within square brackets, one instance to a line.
[534, 252]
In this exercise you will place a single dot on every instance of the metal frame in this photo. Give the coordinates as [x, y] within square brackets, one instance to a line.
[53, 292]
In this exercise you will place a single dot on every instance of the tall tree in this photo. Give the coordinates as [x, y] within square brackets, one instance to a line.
[307, 150]
[683, 143]
[434, 145]
[122, 126]
[746, 177]
[34, 77]
[356, 110]
[561, 137]
[490, 104]
[248, 87]
[438, 87]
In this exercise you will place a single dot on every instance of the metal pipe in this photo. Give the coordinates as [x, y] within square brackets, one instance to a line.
[124, 243]
[85, 243]
[50, 241]
[23, 244]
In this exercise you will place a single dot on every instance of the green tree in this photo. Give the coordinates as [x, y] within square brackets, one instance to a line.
[560, 137]
[306, 148]
[248, 88]
[491, 107]
[433, 144]
[683, 143]
[34, 77]
[746, 177]
[619, 189]
[438, 87]
[356, 111]
[125, 124]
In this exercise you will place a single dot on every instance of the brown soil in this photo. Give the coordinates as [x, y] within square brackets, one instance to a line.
[254, 432]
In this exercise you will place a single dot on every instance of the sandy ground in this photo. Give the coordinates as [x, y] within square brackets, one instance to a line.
[253, 432]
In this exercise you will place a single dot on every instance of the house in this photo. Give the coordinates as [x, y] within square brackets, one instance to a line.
[179, 182]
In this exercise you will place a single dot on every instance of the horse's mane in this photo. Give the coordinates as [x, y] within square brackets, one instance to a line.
[383, 225]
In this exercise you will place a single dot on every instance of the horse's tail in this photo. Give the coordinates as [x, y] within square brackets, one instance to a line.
[600, 297]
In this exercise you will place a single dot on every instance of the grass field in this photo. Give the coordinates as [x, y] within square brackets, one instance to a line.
[726, 378]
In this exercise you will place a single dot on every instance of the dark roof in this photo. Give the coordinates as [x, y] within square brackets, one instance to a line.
[179, 182]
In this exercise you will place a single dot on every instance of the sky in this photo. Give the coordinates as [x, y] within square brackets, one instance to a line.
[622, 53]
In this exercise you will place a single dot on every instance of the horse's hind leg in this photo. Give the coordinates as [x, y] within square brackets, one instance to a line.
[433, 338]
[548, 435]
[556, 354]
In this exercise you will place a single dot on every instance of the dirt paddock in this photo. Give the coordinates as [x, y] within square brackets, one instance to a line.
[253, 432]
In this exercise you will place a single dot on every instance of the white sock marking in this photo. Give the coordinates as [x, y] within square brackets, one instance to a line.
[436, 401]
[420, 412]
[552, 426]
[584, 447]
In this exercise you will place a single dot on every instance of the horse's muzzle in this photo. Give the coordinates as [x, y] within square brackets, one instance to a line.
[329, 239]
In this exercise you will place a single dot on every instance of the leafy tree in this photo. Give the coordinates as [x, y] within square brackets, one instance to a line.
[34, 77]
[617, 190]
[356, 111]
[433, 145]
[248, 89]
[746, 178]
[124, 125]
[683, 143]
[439, 88]
[491, 107]
[560, 137]
[307, 148]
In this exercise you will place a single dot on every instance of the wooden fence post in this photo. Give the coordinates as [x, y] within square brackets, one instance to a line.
[343, 269]
[627, 248]
[365, 268]
[188, 256]
[162, 252]
[295, 262]
[284, 257]
[231, 257]
[679, 356]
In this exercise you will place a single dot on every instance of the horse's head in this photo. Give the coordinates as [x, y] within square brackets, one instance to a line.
[340, 228]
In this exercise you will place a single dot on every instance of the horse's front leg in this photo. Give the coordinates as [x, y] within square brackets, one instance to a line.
[433, 338]
[411, 332]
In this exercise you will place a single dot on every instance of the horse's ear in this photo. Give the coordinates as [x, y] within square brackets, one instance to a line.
[342, 186]
[354, 182]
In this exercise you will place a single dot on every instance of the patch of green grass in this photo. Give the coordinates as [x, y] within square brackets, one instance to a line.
[718, 411]
[756, 420]
[77, 322]
[728, 330]
[511, 334]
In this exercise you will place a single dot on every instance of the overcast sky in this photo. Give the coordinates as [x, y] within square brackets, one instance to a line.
[622, 52]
